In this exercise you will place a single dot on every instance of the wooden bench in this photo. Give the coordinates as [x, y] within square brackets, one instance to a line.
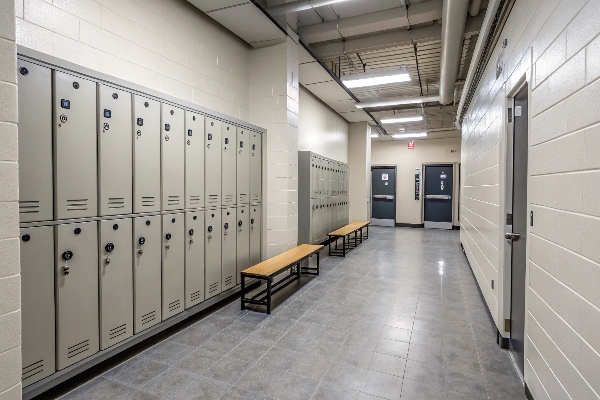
[267, 270]
[345, 234]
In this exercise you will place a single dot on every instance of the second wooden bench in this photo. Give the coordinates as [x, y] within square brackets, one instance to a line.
[345, 233]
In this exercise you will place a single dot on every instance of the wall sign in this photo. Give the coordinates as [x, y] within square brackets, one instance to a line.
[417, 183]
[411, 144]
[384, 177]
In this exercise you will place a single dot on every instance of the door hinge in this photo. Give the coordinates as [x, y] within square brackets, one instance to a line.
[531, 218]
[507, 325]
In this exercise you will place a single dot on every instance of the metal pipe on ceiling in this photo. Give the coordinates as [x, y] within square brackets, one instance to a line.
[474, 9]
[454, 16]
[299, 5]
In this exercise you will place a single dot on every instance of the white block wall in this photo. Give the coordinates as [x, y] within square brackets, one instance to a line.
[359, 152]
[10, 279]
[557, 43]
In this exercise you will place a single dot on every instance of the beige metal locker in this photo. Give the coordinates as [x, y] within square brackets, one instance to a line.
[228, 164]
[212, 163]
[116, 281]
[242, 241]
[115, 170]
[243, 166]
[147, 272]
[172, 158]
[194, 258]
[194, 160]
[228, 248]
[212, 252]
[255, 167]
[146, 154]
[173, 265]
[75, 146]
[37, 303]
[76, 279]
[255, 233]
[35, 142]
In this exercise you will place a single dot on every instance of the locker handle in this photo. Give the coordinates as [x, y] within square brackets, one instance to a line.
[142, 240]
[210, 228]
[67, 255]
[240, 222]
[109, 247]
[252, 221]
[226, 226]
[168, 236]
[66, 270]
[191, 232]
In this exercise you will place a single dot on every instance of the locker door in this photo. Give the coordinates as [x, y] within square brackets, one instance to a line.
[75, 147]
[35, 142]
[115, 158]
[242, 241]
[194, 160]
[194, 258]
[314, 204]
[173, 267]
[116, 281]
[212, 252]
[228, 248]
[243, 166]
[37, 303]
[255, 167]
[76, 279]
[212, 163]
[147, 273]
[173, 158]
[146, 155]
[228, 164]
[255, 229]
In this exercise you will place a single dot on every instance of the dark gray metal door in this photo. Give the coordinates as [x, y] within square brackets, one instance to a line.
[438, 196]
[383, 181]
[518, 236]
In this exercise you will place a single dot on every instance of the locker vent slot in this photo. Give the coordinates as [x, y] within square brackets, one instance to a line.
[33, 369]
[173, 200]
[213, 288]
[255, 197]
[148, 201]
[151, 316]
[118, 331]
[213, 198]
[228, 280]
[194, 199]
[78, 348]
[29, 207]
[77, 205]
[243, 197]
[116, 202]
[174, 305]
[196, 295]
[228, 198]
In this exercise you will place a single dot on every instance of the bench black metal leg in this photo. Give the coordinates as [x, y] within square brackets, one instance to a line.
[318, 256]
[344, 245]
[269, 296]
[243, 288]
[329, 244]
[355, 239]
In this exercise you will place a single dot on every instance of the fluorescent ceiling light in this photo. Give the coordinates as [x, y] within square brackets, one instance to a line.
[374, 135]
[409, 135]
[401, 120]
[397, 102]
[376, 79]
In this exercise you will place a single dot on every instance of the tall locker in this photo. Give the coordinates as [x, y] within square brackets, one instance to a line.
[212, 163]
[243, 166]
[173, 265]
[37, 303]
[147, 273]
[194, 160]
[255, 228]
[75, 146]
[228, 164]
[242, 241]
[255, 167]
[228, 248]
[194, 258]
[76, 280]
[212, 252]
[172, 157]
[115, 170]
[116, 281]
[146, 155]
[35, 142]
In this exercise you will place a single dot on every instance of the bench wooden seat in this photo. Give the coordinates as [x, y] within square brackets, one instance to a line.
[345, 233]
[268, 269]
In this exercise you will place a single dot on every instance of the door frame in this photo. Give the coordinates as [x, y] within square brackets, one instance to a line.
[455, 190]
[395, 168]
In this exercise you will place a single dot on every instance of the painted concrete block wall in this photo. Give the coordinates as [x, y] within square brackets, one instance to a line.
[321, 130]
[359, 152]
[166, 45]
[556, 44]
[10, 270]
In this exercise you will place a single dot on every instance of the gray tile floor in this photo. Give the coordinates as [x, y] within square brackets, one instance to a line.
[400, 317]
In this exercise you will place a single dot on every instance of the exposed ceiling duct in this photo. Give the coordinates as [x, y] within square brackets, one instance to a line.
[299, 5]
[454, 16]
[398, 102]
[474, 9]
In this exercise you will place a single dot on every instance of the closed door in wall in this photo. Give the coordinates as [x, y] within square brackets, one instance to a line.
[438, 196]
[383, 192]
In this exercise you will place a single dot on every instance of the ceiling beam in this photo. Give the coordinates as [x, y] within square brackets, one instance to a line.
[299, 5]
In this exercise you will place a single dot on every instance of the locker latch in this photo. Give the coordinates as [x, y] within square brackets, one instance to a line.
[167, 127]
[189, 132]
[66, 104]
[140, 122]
[107, 114]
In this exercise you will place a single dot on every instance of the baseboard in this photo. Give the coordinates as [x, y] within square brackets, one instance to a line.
[403, 225]
[502, 341]
[456, 227]
[528, 393]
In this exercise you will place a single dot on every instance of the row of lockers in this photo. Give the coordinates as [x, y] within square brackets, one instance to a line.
[89, 149]
[327, 215]
[328, 177]
[89, 285]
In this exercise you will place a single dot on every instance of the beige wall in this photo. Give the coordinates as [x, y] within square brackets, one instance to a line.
[397, 153]
[359, 152]
[554, 44]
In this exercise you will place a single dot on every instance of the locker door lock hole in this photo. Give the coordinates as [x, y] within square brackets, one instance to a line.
[115, 96]
[146, 104]
[24, 71]
[26, 238]
[172, 112]
[168, 236]
[76, 85]
[116, 226]
[77, 231]
[191, 232]
[142, 240]
[67, 255]
[148, 223]
[109, 247]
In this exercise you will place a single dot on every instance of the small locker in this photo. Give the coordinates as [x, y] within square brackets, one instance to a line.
[116, 281]
[75, 146]
[243, 166]
[194, 160]
[114, 151]
[76, 279]
[212, 252]
[173, 267]
[228, 257]
[146, 155]
[194, 258]
[255, 167]
[212, 163]
[242, 241]
[35, 142]
[37, 303]
[172, 157]
[147, 273]
[228, 165]
[255, 228]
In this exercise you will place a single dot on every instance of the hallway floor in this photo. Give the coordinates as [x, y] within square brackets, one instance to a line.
[399, 317]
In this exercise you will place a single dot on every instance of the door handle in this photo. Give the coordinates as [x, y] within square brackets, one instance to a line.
[512, 236]
[383, 196]
[438, 196]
